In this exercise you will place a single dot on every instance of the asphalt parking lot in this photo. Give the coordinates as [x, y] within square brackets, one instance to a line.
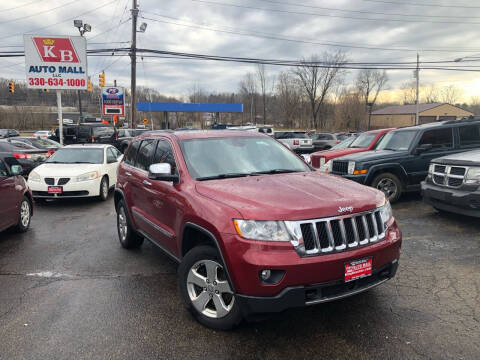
[68, 290]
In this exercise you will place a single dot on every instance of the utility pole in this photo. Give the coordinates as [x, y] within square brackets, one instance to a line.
[417, 76]
[133, 57]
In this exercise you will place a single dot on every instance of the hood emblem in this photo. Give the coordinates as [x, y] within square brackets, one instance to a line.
[345, 209]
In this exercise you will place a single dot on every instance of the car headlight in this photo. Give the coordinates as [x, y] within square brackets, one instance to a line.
[351, 167]
[473, 176]
[431, 169]
[33, 176]
[88, 176]
[322, 161]
[262, 230]
[386, 212]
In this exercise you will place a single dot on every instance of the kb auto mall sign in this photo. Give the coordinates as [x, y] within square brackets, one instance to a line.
[56, 62]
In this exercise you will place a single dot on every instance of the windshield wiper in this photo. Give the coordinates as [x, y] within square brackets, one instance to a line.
[54, 162]
[392, 149]
[82, 162]
[223, 176]
[274, 171]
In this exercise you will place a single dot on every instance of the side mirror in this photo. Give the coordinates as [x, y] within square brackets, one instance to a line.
[162, 172]
[423, 148]
[16, 170]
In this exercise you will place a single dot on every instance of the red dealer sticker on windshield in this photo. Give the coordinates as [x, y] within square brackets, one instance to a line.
[358, 269]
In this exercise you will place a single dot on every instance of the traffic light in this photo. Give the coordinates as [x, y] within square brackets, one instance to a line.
[46, 90]
[11, 87]
[89, 85]
[101, 79]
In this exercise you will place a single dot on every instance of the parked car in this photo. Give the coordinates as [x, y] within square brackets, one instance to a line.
[297, 141]
[7, 133]
[43, 134]
[324, 141]
[453, 183]
[366, 141]
[28, 156]
[401, 160]
[40, 143]
[255, 230]
[76, 171]
[17, 204]
[87, 133]
[124, 136]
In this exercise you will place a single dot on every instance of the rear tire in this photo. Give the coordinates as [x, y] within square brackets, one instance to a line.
[389, 184]
[24, 215]
[104, 189]
[128, 237]
[206, 291]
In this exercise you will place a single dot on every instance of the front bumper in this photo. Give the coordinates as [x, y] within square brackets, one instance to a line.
[245, 259]
[70, 190]
[465, 202]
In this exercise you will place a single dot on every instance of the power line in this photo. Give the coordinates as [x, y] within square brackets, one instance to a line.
[20, 6]
[271, 36]
[38, 13]
[424, 5]
[368, 12]
[333, 16]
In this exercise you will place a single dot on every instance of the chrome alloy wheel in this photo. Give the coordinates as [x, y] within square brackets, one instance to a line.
[387, 186]
[25, 213]
[122, 224]
[209, 290]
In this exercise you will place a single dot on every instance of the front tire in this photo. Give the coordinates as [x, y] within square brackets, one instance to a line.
[129, 238]
[104, 188]
[389, 184]
[24, 216]
[206, 290]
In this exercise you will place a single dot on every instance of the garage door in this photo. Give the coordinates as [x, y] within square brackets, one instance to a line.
[426, 119]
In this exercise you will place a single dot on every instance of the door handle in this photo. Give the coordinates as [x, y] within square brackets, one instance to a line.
[127, 173]
[146, 182]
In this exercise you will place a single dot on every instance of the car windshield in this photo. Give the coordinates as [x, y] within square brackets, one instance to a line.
[77, 156]
[363, 141]
[45, 143]
[217, 158]
[397, 140]
[344, 144]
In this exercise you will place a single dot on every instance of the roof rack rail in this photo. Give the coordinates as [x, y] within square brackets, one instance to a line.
[463, 120]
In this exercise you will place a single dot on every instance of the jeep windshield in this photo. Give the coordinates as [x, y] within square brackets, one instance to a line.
[220, 158]
[397, 140]
[76, 156]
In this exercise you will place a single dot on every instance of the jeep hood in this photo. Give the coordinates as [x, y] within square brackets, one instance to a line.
[292, 196]
[373, 155]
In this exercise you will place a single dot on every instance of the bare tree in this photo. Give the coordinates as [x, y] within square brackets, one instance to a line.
[450, 94]
[248, 89]
[370, 83]
[263, 88]
[431, 94]
[350, 110]
[317, 82]
[408, 92]
[289, 97]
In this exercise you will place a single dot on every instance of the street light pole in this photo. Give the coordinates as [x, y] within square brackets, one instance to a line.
[82, 28]
[133, 57]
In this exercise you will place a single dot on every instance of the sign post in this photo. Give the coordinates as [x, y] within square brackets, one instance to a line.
[56, 63]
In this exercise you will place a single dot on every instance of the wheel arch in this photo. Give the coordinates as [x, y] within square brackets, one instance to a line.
[394, 169]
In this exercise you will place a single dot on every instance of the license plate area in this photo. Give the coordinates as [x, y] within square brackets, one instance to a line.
[358, 269]
[55, 189]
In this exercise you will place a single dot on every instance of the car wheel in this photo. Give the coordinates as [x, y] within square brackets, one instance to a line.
[104, 189]
[206, 290]
[390, 185]
[129, 238]
[24, 215]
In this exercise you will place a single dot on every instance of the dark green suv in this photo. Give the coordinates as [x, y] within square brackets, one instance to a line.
[400, 162]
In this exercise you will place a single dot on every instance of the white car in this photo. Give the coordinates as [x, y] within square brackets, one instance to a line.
[43, 134]
[76, 171]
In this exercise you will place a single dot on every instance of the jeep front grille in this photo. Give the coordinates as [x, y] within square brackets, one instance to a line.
[340, 167]
[449, 176]
[341, 233]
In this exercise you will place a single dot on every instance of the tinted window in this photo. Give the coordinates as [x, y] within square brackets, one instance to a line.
[103, 131]
[3, 169]
[439, 138]
[469, 135]
[299, 135]
[145, 153]
[16, 145]
[164, 154]
[132, 152]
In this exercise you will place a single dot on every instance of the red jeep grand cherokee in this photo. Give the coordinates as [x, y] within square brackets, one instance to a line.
[255, 230]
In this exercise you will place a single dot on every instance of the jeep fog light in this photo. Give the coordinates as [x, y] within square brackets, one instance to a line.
[265, 274]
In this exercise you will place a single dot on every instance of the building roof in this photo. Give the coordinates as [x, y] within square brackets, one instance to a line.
[406, 109]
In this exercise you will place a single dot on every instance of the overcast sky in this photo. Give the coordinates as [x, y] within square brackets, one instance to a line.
[183, 25]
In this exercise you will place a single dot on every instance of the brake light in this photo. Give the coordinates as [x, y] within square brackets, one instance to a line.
[50, 153]
[21, 156]
[338, 142]
[296, 142]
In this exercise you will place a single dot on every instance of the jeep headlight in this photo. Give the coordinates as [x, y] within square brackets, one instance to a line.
[262, 230]
[386, 212]
[88, 176]
[473, 176]
[351, 167]
[322, 161]
[33, 176]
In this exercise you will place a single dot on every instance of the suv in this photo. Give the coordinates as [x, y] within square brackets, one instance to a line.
[124, 136]
[255, 230]
[298, 141]
[401, 159]
[7, 133]
[453, 182]
[87, 133]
